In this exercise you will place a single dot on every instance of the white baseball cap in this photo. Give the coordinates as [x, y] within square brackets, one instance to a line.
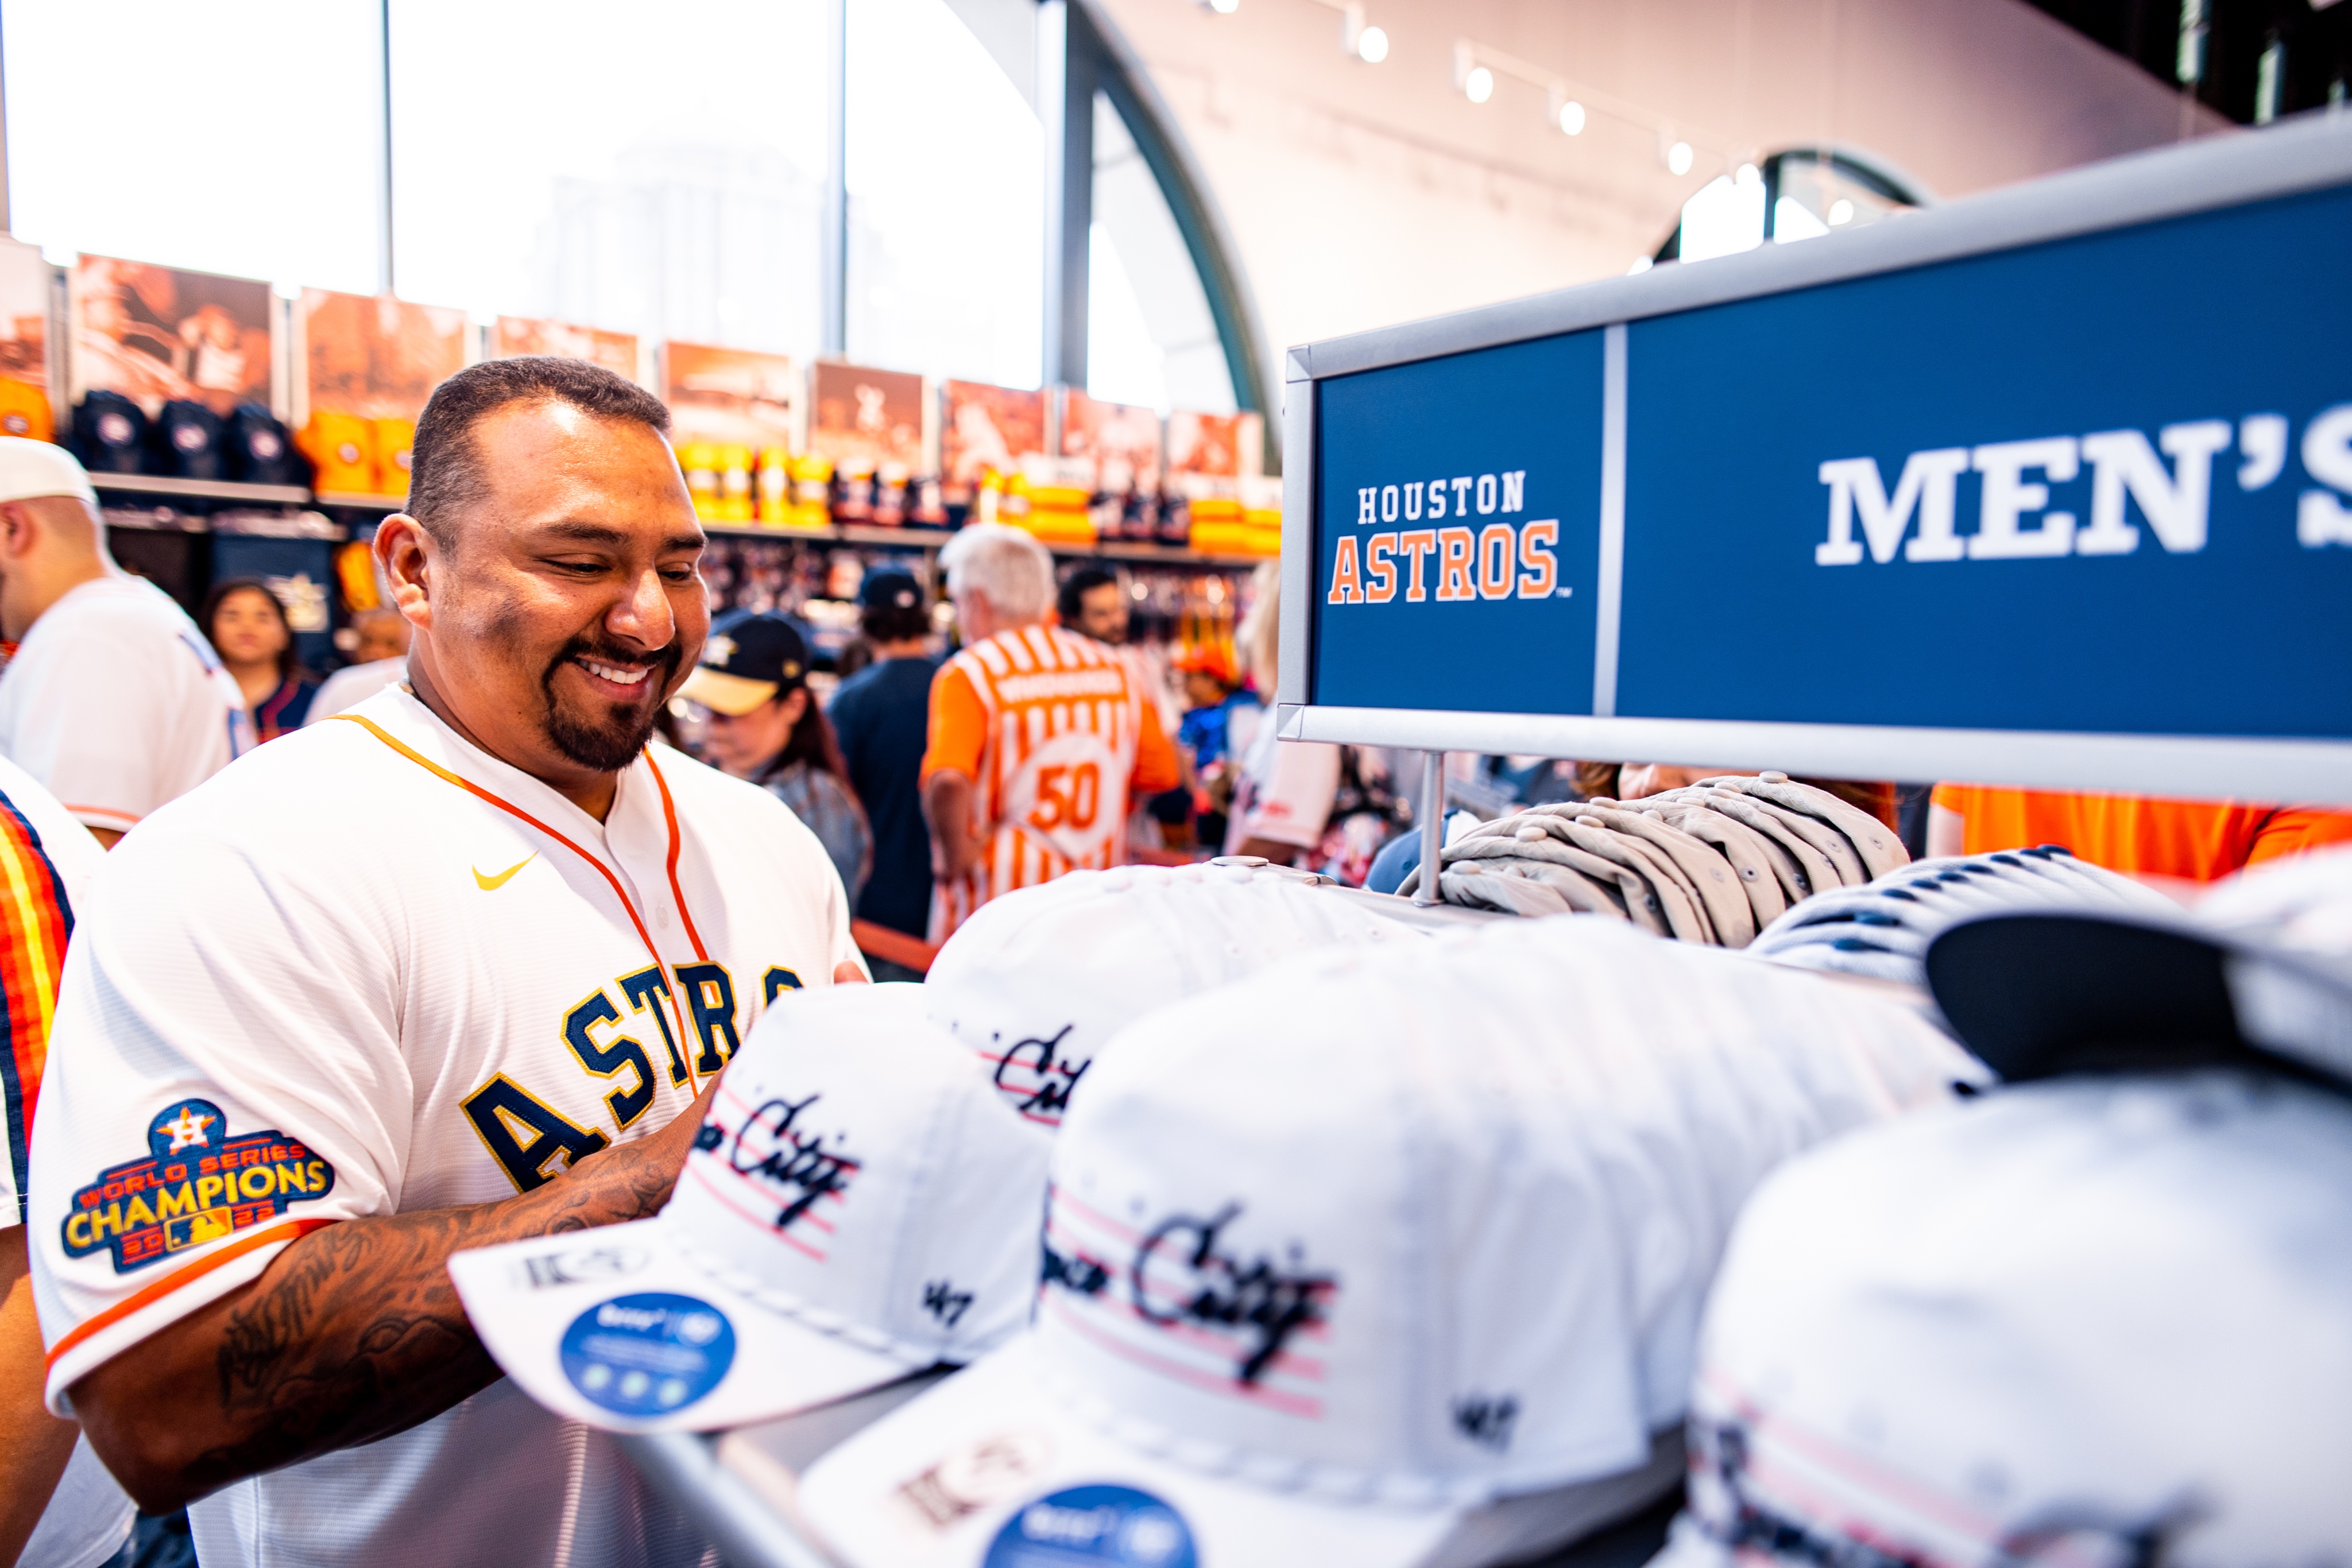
[2099, 1323]
[2261, 970]
[1346, 1261]
[1040, 980]
[29, 469]
[858, 1205]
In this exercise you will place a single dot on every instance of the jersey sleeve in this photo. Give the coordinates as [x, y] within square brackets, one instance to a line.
[2299, 829]
[225, 1076]
[89, 715]
[35, 918]
[1156, 767]
[959, 725]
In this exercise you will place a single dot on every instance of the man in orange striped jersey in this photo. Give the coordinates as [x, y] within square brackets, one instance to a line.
[47, 860]
[1039, 738]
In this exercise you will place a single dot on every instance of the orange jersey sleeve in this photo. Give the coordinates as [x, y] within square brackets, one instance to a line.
[2195, 841]
[1156, 767]
[958, 736]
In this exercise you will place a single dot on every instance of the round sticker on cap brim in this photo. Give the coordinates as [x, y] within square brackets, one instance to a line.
[1093, 1525]
[646, 1355]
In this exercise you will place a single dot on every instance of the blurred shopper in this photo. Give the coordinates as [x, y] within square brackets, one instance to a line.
[113, 701]
[879, 717]
[2156, 840]
[765, 726]
[379, 659]
[1039, 737]
[1093, 603]
[1283, 793]
[47, 861]
[247, 628]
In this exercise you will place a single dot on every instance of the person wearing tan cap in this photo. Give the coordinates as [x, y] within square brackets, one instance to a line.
[113, 699]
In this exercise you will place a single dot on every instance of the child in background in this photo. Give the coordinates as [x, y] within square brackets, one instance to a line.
[1215, 696]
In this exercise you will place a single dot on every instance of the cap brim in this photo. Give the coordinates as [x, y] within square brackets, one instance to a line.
[721, 693]
[2044, 994]
[588, 1323]
[976, 1470]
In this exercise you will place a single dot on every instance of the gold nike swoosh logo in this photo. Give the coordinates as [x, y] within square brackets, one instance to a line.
[492, 883]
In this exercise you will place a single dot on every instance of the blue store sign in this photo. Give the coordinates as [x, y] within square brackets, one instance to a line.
[2052, 487]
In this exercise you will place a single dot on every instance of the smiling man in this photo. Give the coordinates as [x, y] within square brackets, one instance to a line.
[449, 969]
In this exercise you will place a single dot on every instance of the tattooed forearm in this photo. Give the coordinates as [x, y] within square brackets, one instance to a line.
[354, 1333]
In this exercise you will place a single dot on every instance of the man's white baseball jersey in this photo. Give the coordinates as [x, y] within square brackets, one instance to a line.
[269, 1024]
[117, 703]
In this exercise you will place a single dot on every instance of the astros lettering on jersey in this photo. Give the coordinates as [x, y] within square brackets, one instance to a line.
[370, 970]
[1053, 730]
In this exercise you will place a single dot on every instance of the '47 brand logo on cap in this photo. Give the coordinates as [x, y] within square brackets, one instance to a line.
[197, 1185]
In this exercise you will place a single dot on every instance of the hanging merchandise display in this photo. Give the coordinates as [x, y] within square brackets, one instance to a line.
[25, 359]
[734, 398]
[872, 425]
[367, 366]
[1208, 454]
[1120, 447]
[986, 433]
[156, 335]
[616, 351]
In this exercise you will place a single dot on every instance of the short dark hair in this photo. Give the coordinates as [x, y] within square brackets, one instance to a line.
[893, 623]
[1076, 588]
[445, 472]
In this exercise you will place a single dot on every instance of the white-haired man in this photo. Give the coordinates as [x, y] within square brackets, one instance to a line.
[1039, 738]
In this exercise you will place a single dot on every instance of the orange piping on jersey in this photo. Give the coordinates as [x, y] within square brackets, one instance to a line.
[669, 815]
[147, 1295]
[124, 817]
[509, 807]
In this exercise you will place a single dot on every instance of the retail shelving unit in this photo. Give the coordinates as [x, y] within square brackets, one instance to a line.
[1711, 578]
[925, 539]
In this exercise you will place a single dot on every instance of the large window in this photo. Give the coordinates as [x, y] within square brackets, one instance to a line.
[651, 169]
[238, 136]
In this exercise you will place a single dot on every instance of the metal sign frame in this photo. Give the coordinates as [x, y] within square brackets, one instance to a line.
[2312, 154]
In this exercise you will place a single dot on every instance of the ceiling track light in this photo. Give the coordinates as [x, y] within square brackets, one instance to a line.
[1358, 38]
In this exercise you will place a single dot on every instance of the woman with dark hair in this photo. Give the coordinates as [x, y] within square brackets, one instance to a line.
[250, 630]
[764, 725]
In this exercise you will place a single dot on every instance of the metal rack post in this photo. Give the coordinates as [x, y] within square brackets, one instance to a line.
[1433, 824]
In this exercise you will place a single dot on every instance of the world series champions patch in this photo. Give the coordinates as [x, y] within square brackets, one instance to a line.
[196, 1185]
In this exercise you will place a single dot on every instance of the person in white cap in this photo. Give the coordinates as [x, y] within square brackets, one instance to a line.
[1384, 1256]
[114, 701]
[460, 967]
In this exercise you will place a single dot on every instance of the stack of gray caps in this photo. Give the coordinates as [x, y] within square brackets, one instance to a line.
[1714, 862]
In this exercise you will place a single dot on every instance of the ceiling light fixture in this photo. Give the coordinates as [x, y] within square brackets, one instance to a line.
[1570, 117]
[1479, 86]
[1372, 45]
[1678, 158]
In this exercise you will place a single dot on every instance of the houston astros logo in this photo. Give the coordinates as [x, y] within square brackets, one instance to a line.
[492, 883]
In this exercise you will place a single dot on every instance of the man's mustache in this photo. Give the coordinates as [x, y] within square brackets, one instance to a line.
[664, 660]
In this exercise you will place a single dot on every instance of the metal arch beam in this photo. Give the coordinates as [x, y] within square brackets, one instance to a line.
[1122, 77]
